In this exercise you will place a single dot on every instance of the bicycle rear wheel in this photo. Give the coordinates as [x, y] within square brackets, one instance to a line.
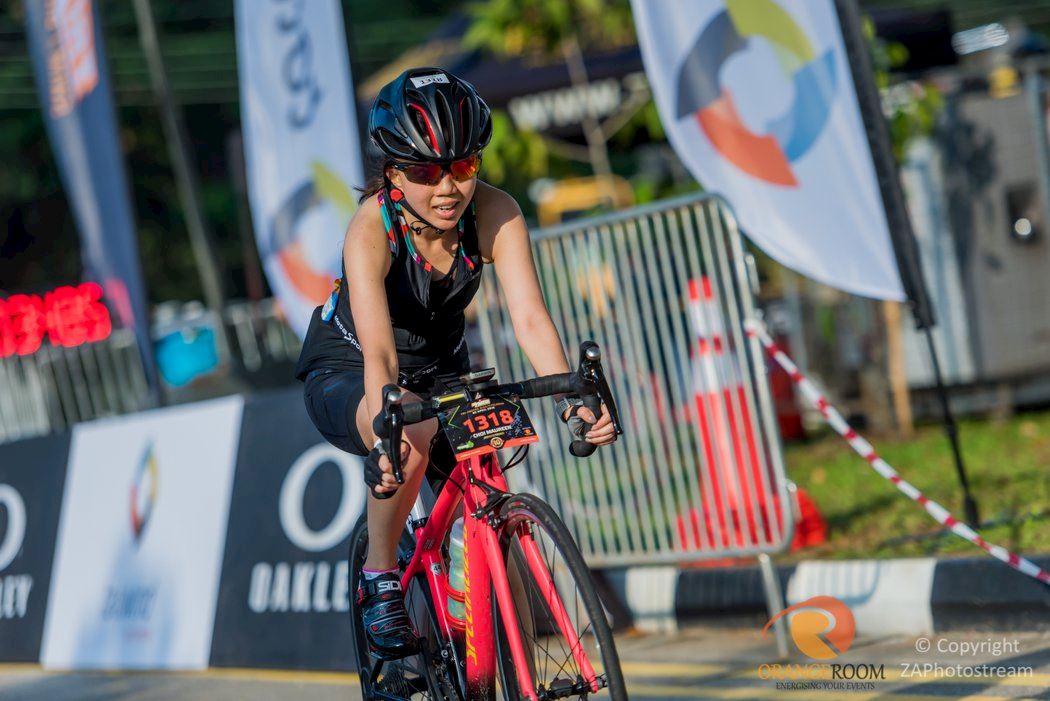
[425, 676]
[534, 539]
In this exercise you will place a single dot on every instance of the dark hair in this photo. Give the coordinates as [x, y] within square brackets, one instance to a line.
[372, 186]
[376, 163]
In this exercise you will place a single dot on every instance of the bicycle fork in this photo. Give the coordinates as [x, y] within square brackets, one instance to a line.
[480, 638]
[489, 572]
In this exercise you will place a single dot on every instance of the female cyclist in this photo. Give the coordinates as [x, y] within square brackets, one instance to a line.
[412, 261]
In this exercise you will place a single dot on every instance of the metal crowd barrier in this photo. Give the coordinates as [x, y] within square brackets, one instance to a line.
[699, 472]
[261, 334]
[56, 387]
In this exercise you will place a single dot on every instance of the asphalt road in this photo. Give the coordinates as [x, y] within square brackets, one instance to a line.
[698, 663]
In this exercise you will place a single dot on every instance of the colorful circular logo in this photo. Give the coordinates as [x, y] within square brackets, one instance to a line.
[300, 239]
[822, 627]
[767, 156]
[144, 492]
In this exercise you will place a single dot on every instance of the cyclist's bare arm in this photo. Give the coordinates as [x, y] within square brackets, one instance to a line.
[505, 240]
[366, 255]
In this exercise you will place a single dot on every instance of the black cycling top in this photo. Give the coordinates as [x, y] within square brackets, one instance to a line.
[426, 314]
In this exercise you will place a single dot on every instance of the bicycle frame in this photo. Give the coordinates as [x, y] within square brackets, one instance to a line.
[472, 484]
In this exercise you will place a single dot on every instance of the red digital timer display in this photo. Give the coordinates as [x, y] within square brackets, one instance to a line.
[66, 316]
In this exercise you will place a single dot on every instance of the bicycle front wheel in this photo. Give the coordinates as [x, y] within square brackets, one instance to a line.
[560, 618]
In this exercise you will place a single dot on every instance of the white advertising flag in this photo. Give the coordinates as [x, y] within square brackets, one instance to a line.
[301, 144]
[141, 539]
[758, 101]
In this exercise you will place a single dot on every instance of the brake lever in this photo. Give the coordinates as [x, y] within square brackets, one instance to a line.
[590, 354]
[591, 369]
[394, 419]
[605, 392]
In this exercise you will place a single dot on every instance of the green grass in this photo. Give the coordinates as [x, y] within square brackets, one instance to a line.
[1008, 464]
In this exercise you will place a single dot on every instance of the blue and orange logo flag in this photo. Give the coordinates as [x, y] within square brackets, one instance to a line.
[701, 92]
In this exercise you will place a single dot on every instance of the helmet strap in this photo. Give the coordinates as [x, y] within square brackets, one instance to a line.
[419, 227]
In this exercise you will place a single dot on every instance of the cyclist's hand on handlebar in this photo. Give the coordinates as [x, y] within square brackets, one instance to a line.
[601, 431]
[379, 473]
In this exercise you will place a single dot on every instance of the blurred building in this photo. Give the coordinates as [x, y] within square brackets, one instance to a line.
[980, 193]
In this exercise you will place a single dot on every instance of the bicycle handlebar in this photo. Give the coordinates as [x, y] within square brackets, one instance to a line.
[588, 383]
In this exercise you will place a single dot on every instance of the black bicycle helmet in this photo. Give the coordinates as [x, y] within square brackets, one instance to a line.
[429, 115]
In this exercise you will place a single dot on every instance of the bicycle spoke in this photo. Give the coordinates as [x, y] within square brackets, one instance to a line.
[540, 604]
[562, 625]
[548, 656]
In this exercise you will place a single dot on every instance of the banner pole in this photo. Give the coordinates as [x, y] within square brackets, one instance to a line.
[905, 247]
[200, 238]
[253, 273]
[950, 428]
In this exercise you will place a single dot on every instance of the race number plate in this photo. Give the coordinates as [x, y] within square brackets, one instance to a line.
[486, 426]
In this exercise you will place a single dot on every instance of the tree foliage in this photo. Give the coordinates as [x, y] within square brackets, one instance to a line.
[547, 31]
[521, 27]
[514, 154]
[911, 107]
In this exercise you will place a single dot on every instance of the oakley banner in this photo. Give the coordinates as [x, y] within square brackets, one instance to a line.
[284, 596]
[69, 63]
[31, 476]
[758, 101]
[301, 144]
[141, 537]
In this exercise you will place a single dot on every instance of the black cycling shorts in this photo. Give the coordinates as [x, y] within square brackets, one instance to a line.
[332, 398]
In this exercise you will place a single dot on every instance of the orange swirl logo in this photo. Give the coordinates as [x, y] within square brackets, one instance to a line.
[822, 627]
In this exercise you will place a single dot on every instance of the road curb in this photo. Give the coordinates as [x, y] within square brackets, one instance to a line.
[907, 596]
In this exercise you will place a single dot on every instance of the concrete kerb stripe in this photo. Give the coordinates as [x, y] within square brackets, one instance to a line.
[911, 596]
[650, 597]
[886, 597]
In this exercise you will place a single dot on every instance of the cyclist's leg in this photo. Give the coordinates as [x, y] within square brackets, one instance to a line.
[386, 517]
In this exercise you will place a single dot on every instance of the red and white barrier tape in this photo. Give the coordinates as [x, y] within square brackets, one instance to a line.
[757, 329]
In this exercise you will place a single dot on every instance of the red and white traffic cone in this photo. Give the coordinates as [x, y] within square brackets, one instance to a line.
[724, 414]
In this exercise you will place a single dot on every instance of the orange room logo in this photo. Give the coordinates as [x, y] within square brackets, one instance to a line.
[822, 627]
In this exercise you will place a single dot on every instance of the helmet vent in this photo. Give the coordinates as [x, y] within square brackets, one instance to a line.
[428, 114]
[419, 116]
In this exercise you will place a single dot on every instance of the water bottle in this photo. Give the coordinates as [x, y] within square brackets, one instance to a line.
[456, 582]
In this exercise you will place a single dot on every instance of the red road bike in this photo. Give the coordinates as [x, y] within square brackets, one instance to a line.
[534, 627]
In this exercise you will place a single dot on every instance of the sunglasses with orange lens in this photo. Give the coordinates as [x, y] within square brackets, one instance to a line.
[431, 173]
